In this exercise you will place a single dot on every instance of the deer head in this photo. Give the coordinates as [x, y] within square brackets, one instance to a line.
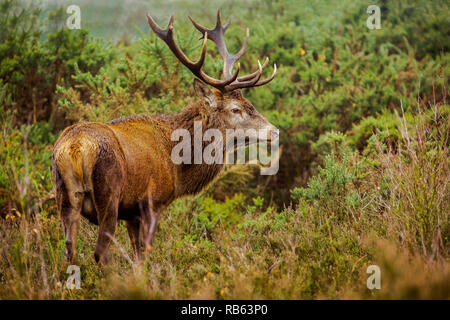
[223, 96]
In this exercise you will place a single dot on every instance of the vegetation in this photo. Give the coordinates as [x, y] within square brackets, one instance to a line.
[364, 170]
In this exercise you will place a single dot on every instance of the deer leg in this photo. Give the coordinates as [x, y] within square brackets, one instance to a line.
[69, 207]
[133, 227]
[106, 228]
[71, 221]
[106, 202]
[151, 232]
[149, 218]
[107, 184]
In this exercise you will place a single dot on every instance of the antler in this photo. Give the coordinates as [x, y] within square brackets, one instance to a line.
[195, 67]
[231, 81]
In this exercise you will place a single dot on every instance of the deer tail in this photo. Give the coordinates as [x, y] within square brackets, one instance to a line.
[75, 158]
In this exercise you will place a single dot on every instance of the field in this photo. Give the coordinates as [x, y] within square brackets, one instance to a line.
[364, 137]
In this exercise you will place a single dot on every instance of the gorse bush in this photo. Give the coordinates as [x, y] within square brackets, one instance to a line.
[364, 170]
[31, 69]
[25, 175]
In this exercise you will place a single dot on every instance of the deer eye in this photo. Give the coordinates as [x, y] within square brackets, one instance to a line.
[235, 110]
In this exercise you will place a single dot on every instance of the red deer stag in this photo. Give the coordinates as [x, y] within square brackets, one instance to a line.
[123, 169]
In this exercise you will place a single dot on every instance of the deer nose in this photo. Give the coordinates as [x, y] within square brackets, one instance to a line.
[275, 133]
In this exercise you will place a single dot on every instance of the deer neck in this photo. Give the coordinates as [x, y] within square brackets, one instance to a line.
[193, 177]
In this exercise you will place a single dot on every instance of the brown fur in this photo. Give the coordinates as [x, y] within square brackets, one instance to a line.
[123, 170]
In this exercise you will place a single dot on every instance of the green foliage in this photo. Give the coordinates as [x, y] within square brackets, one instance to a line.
[384, 126]
[407, 184]
[212, 213]
[31, 69]
[331, 182]
[25, 159]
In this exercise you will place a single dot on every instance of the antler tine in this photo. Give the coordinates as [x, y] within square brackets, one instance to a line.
[167, 36]
[217, 36]
[254, 74]
[246, 84]
[263, 82]
[255, 82]
[241, 52]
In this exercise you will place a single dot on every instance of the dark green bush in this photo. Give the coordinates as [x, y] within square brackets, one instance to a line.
[31, 69]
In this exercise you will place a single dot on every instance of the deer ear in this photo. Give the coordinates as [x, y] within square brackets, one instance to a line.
[204, 92]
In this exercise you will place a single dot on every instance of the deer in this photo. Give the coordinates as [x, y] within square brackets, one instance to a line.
[122, 169]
